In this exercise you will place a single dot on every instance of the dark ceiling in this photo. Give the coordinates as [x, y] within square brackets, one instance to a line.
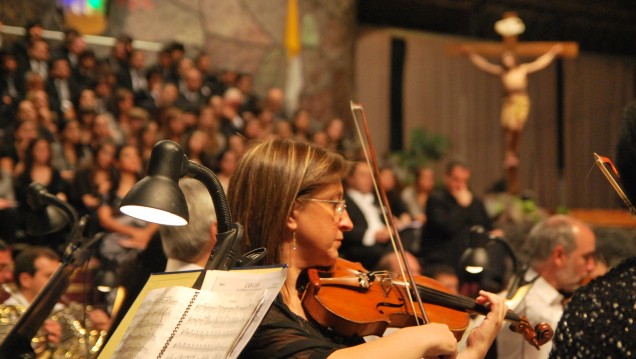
[600, 26]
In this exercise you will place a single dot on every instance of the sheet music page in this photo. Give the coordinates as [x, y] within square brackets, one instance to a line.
[245, 281]
[210, 329]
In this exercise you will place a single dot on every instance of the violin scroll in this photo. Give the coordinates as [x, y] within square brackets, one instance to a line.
[544, 333]
[541, 334]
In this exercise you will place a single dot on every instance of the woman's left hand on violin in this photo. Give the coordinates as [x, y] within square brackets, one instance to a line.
[481, 338]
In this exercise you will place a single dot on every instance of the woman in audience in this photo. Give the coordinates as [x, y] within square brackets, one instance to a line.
[105, 130]
[147, 137]
[226, 164]
[209, 123]
[195, 148]
[175, 128]
[126, 236]
[13, 155]
[46, 117]
[37, 168]
[416, 195]
[70, 153]
[94, 182]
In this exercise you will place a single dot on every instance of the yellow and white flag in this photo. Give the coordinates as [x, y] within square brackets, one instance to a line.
[294, 82]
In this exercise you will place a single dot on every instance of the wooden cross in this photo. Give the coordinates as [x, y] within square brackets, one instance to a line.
[511, 43]
[510, 27]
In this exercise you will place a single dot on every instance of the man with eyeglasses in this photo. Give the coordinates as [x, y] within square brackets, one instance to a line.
[560, 252]
[368, 242]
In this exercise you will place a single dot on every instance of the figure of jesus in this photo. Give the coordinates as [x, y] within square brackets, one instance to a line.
[516, 103]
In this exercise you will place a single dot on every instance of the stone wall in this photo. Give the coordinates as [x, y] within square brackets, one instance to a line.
[242, 35]
[247, 36]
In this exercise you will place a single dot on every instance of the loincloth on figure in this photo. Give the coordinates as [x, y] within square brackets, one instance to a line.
[514, 111]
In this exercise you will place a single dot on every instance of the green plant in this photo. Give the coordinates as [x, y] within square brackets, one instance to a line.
[424, 148]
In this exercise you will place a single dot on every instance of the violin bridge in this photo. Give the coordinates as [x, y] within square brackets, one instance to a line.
[387, 285]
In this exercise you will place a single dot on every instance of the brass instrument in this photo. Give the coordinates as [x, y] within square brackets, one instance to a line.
[76, 341]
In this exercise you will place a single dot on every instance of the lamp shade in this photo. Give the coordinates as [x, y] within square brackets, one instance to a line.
[47, 220]
[475, 257]
[46, 213]
[157, 197]
[106, 280]
[474, 260]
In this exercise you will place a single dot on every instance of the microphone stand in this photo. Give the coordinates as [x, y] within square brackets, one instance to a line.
[17, 344]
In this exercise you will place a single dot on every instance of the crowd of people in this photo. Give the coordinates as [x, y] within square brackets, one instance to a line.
[84, 127]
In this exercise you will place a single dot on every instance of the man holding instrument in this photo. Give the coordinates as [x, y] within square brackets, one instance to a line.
[610, 299]
[33, 268]
[560, 254]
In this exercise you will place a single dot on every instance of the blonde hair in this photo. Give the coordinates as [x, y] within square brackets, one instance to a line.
[268, 179]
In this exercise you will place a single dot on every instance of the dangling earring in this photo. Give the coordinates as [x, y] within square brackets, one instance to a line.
[294, 241]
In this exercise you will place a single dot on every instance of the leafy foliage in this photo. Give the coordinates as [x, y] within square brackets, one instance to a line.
[425, 147]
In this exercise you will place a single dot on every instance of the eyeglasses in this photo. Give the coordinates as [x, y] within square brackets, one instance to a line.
[339, 205]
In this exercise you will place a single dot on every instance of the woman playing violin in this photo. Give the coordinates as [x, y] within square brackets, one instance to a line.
[288, 196]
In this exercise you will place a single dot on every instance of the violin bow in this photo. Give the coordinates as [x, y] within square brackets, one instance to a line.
[605, 164]
[387, 214]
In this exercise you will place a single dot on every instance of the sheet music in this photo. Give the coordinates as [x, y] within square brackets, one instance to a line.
[181, 322]
[245, 282]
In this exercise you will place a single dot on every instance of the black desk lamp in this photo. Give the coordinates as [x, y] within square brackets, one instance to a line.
[475, 258]
[157, 198]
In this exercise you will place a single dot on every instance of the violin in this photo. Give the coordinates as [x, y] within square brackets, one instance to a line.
[353, 301]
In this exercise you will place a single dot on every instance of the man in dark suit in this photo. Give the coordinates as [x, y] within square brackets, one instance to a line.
[71, 48]
[21, 47]
[133, 76]
[60, 87]
[36, 60]
[368, 241]
[451, 212]
[195, 93]
[11, 89]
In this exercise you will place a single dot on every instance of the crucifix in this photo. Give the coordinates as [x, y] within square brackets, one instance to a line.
[514, 80]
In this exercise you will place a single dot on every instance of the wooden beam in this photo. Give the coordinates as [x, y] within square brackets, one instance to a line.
[522, 49]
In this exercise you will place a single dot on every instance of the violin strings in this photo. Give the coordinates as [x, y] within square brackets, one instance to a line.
[458, 302]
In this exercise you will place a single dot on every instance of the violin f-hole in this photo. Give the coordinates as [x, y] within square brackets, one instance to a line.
[387, 304]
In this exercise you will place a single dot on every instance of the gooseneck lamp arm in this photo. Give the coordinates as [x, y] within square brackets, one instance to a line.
[229, 234]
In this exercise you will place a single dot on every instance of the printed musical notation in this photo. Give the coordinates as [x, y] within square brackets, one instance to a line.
[214, 322]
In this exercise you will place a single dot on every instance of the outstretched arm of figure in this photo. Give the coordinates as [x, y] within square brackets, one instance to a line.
[544, 60]
[480, 62]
